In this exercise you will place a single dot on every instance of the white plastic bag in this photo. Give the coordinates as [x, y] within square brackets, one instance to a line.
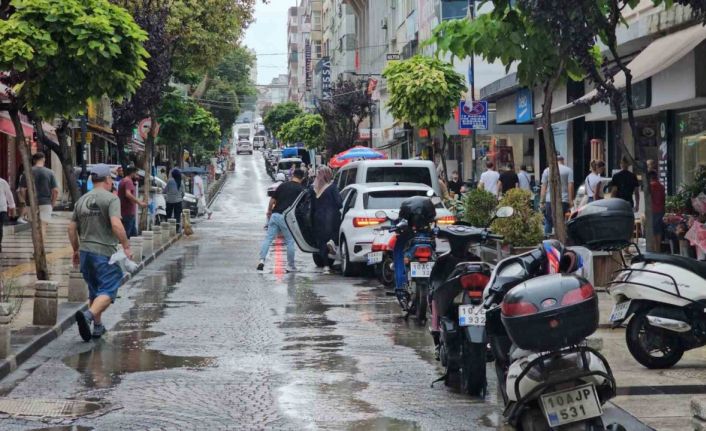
[121, 259]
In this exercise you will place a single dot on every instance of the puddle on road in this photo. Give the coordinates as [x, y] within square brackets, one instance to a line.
[124, 350]
[64, 428]
[383, 424]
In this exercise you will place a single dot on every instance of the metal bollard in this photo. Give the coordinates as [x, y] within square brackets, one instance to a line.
[147, 243]
[45, 303]
[78, 290]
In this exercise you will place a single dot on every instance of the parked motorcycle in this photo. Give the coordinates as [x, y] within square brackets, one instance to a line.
[380, 256]
[457, 313]
[414, 253]
[538, 316]
[660, 295]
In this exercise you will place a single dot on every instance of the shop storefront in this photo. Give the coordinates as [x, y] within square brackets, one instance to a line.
[690, 137]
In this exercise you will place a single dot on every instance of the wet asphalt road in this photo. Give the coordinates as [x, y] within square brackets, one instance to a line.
[201, 340]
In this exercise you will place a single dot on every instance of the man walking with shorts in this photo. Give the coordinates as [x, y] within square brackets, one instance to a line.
[94, 232]
[283, 198]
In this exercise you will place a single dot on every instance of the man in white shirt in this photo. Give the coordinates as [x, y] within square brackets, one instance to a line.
[525, 179]
[7, 205]
[200, 194]
[489, 179]
[566, 178]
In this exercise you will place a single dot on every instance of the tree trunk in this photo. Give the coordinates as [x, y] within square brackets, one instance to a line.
[549, 145]
[63, 154]
[443, 155]
[40, 258]
[149, 144]
[121, 140]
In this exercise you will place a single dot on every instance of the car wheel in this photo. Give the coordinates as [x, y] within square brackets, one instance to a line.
[347, 267]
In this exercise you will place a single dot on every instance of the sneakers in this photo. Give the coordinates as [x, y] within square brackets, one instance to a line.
[98, 330]
[326, 270]
[290, 268]
[83, 321]
[261, 266]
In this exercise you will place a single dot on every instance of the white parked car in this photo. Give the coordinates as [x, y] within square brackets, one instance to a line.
[358, 221]
[284, 165]
[244, 146]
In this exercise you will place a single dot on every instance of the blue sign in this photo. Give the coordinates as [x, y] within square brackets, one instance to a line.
[523, 106]
[474, 116]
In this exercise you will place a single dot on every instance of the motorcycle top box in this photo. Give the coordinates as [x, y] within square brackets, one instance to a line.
[419, 211]
[602, 224]
[550, 312]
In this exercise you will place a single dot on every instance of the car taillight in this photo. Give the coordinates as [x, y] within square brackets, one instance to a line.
[474, 283]
[446, 220]
[422, 252]
[377, 247]
[367, 221]
[517, 309]
[578, 295]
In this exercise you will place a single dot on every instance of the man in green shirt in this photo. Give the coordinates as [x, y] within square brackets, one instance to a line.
[95, 231]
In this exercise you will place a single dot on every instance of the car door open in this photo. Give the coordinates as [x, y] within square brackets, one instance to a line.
[299, 220]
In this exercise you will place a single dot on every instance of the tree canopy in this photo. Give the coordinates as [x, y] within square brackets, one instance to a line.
[423, 91]
[183, 123]
[307, 129]
[281, 114]
[343, 113]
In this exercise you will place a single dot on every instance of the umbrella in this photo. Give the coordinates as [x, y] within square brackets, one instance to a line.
[355, 153]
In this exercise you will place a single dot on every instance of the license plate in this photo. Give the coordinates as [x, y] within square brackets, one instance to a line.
[420, 270]
[471, 315]
[374, 257]
[572, 405]
[619, 311]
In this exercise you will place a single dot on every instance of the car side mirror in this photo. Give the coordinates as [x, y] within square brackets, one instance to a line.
[381, 214]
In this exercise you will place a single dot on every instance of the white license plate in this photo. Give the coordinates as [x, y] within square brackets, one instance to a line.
[572, 405]
[619, 311]
[374, 257]
[420, 270]
[471, 315]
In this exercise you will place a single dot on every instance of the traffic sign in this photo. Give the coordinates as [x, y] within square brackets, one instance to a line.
[473, 116]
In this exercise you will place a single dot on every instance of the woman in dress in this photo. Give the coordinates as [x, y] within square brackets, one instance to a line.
[327, 204]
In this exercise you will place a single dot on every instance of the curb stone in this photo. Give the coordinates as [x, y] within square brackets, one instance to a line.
[12, 362]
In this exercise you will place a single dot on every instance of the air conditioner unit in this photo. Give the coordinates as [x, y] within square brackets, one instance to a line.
[383, 23]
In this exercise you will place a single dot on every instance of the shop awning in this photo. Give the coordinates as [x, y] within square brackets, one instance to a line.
[7, 128]
[658, 56]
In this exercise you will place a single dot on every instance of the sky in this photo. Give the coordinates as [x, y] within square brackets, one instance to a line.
[268, 35]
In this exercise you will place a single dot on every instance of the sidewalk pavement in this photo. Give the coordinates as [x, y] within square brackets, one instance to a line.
[659, 398]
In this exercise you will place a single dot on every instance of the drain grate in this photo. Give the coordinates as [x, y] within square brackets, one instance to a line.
[47, 408]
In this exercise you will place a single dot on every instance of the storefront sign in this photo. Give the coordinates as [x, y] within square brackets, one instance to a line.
[307, 64]
[473, 116]
[523, 106]
[325, 78]
[394, 56]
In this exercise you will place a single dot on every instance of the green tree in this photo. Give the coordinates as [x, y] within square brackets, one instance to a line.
[424, 92]
[57, 54]
[281, 114]
[543, 57]
[307, 129]
[343, 113]
[221, 99]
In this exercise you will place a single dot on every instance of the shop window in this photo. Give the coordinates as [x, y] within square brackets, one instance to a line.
[691, 145]
[454, 9]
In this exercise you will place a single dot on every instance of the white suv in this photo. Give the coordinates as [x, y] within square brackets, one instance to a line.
[379, 172]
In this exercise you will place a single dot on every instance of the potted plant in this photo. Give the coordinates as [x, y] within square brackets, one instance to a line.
[479, 206]
[523, 230]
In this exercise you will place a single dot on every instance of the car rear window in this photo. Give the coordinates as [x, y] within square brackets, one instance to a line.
[283, 166]
[389, 199]
[399, 174]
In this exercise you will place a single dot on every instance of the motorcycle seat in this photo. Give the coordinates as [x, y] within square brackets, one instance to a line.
[687, 263]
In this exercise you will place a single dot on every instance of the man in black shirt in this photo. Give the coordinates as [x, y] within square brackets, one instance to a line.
[455, 184]
[508, 180]
[283, 198]
[627, 184]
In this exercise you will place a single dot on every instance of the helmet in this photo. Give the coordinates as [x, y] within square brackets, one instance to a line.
[419, 211]
[559, 258]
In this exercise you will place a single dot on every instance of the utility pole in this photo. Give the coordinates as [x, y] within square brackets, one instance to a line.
[472, 77]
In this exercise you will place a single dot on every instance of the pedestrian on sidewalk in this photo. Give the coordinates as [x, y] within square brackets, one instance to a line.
[327, 205]
[489, 179]
[508, 180]
[46, 189]
[200, 194]
[455, 184]
[21, 195]
[283, 198]
[174, 196]
[126, 194]
[658, 194]
[94, 232]
[7, 205]
[627, 184]
[566, 183]
[525, 181]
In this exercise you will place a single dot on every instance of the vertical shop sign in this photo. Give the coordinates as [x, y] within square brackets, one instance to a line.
[663, 156]
[326, 78]
[307, 63]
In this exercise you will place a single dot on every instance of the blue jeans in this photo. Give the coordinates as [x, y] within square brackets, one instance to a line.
[129, 225]
[101, 277]
[548, 217]
[275, 226]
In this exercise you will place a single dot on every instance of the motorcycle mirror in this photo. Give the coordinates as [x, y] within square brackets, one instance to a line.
[430, 193]
[504, 212]
[381, 214]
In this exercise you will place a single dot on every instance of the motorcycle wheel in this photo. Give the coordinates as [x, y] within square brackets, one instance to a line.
[422, 302]
[644, 344]
[386, 272]
[473, 378]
